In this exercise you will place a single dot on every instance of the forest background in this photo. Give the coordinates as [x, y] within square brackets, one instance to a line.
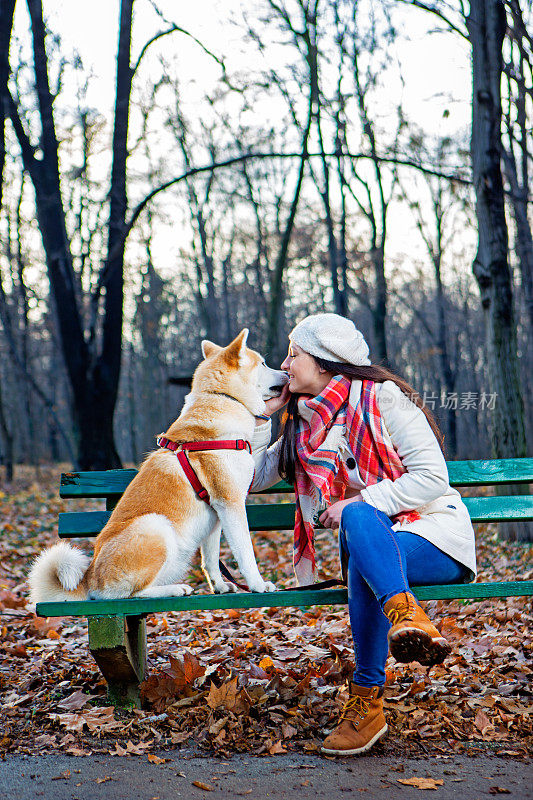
[172, 173]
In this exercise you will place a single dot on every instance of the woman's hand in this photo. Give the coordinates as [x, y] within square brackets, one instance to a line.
[275, 403]
[331, 517]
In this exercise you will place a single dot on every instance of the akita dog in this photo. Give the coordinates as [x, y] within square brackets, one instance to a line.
[146, 548]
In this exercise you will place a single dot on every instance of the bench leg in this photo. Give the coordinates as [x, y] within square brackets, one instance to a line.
[118, 645]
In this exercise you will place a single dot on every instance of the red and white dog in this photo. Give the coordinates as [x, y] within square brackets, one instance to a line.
[146, 548]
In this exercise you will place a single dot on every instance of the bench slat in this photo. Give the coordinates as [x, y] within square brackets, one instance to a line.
[203, 602]
[462, 473]
[280, 516]
[277, 516]
[113, 482]
[490, 472]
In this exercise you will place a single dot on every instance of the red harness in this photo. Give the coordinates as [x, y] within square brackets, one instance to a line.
[201, 491]
[181, 454]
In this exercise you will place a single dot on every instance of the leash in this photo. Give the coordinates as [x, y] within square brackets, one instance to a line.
[328, 584]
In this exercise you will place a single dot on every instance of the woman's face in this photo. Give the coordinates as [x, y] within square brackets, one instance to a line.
[305, 376]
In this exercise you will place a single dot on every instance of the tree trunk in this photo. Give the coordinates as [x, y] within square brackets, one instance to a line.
[379, 307]
[7, 436]
[486, 26]
[524, 239]
[94, 377]
[517, 154]
[448, 373]
[273, 346]
[7, 8]
[98, 451]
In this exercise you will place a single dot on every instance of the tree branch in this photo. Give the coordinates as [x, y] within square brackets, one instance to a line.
[248, 156]
[439, 14]
[176, 28]
[139, 208]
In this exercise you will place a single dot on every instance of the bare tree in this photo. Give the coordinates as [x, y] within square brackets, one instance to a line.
[517, 147]
[93, 371]
[487, 25]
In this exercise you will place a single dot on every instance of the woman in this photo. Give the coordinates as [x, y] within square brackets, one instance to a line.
[359, 444]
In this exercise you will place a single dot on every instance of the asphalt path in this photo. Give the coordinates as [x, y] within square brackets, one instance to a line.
[189, 774]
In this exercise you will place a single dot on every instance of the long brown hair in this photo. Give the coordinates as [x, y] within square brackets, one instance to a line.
[373, 372]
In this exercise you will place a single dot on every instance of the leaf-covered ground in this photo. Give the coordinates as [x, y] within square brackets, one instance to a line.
[259, 681]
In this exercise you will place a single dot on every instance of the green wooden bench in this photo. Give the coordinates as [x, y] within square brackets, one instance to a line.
[117, 628]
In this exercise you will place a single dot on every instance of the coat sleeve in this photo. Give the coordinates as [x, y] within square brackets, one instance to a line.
[265, 458]
[427, 475]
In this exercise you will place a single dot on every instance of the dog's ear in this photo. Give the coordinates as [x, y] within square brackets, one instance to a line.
[210, 348]
[236, 350]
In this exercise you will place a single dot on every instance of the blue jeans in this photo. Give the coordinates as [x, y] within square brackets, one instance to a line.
[382, 563]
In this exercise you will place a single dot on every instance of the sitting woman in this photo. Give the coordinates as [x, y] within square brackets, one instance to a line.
[359, 444]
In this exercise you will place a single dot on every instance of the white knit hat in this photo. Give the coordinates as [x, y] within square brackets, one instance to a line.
[332, 337]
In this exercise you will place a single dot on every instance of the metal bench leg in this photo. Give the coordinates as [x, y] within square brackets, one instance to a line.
[118, 645]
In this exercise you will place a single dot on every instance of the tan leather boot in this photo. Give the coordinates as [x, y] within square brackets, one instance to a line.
[361, 723]
[413, 637]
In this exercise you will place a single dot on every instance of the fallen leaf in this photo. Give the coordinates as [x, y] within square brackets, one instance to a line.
[9, 599]
[421, 783]
[185, 671]
[77, 751]
[130, 749]
[482, 722]
[45, 740]
[72, 722]
[156, 760]
[76, 700]
[499, 790]
[224, 696]
[63, 776]
[204, 786]
[179, 738]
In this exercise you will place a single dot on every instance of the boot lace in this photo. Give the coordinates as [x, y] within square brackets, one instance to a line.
[357, 706]
[402, 612]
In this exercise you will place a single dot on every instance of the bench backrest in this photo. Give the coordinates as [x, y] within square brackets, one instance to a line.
[109, 485]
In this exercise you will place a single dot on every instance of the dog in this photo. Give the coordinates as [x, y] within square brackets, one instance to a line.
[146, 547]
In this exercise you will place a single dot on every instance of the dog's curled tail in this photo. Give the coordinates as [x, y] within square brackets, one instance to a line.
[57, 574]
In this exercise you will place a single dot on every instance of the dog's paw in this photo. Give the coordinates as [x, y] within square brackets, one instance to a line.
[180, 589]
[223, 588]
[264, 586]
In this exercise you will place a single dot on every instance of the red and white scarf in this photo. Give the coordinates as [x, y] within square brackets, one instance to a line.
[321, 475]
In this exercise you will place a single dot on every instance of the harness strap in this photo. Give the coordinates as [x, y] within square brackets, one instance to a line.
[211, 444]
[201, 491]
[180, 449]
[192, 477]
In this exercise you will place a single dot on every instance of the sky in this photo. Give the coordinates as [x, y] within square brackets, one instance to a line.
[429, 61]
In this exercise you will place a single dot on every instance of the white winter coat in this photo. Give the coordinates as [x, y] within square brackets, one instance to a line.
[425, 487]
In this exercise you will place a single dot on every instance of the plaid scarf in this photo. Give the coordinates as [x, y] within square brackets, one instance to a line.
[321, 474]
